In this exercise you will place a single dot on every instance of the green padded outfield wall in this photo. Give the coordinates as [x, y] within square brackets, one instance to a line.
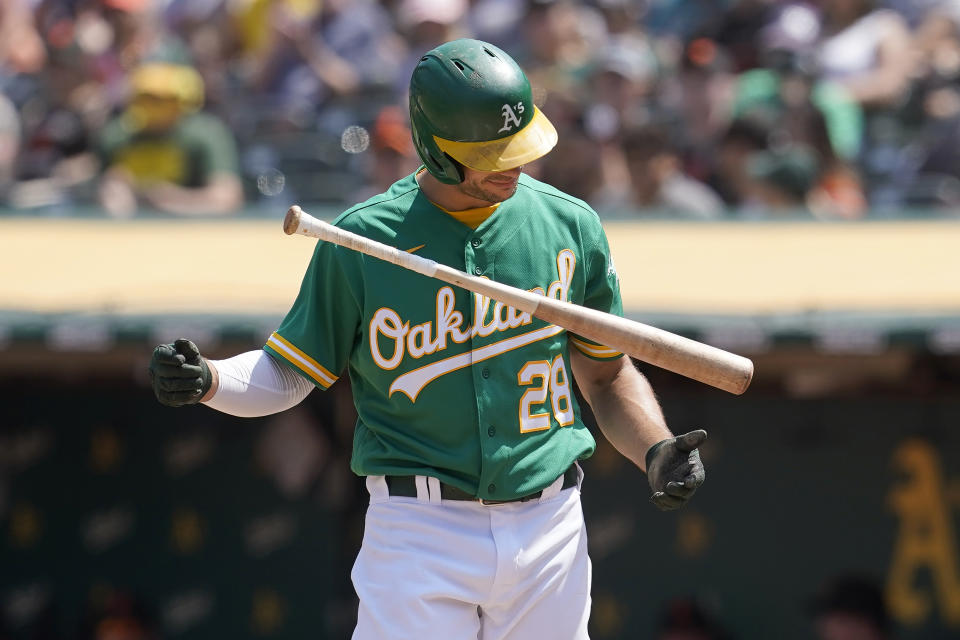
[233, 529]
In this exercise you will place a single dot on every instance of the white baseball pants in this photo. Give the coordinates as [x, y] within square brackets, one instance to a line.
[458, 570]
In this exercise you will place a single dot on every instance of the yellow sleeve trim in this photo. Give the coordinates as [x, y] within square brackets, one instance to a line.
[301, 361]
[595, 350]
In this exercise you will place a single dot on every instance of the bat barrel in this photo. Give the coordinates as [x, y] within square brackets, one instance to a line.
[695, 360]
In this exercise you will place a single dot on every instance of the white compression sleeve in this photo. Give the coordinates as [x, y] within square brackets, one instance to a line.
[254, 384]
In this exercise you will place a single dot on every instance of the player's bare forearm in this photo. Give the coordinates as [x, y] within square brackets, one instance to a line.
[623, 402]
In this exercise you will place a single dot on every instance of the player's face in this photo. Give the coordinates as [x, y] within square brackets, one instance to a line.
[490, 186]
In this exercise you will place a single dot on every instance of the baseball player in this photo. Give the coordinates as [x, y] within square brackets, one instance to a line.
[468, 431]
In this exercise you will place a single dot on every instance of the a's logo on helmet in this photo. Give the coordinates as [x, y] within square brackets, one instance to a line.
[510, 116]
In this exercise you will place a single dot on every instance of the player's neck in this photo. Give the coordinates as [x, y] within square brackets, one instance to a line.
[447, 196]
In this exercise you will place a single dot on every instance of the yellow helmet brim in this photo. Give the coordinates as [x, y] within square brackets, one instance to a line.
[526, 145]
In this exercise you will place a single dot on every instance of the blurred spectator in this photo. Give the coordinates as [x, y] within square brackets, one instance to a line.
[735, 30]
[782, 181]
[866, 50]
[819, 112]
[621, 82]
[54, 161]
[206, 29]
[496, 21]
[915, 11]
[689, 619]
[730, 178]
[578, 159]
[21, 47]
[106, 40]
[622, 85]
[657, 182]
[931, 178]
[622, 17]
[559, 41]
[697, 91]
[304, 54]
[850, 607]
[425, 24]
[164, 153]
[937, 43]
[557, 49]
[9, 142]
[391, 152]
[732, 26]
[682, 19]
[807, 111]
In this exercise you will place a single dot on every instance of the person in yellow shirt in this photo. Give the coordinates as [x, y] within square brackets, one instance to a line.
[164, 153]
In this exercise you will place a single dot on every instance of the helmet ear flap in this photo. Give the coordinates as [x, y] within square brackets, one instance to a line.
[443, 167]
[452, 170]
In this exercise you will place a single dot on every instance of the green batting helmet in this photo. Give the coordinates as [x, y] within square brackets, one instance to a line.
[471, 105]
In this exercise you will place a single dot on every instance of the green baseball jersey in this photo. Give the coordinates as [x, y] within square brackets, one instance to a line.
[446, 382]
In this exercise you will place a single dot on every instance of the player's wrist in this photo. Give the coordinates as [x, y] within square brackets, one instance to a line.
[652, 452]
[214, 380]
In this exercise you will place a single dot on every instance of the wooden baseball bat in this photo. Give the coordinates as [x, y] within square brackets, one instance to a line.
[696, 360]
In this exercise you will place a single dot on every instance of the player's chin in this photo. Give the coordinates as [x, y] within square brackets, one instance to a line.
[501, 190]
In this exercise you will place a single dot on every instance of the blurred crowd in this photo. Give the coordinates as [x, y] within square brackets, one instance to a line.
[699, 109]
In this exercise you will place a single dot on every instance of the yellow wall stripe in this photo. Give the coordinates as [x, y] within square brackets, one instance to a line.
[301, 360]
[597, 351]
[853, 270]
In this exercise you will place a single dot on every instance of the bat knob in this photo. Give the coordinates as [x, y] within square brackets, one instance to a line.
[292, 220]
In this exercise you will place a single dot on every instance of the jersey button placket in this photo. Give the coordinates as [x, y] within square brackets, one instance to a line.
[474, 258]
[471, 247]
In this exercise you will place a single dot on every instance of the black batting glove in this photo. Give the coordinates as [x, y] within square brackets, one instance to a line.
[178, 374]
[674, 469]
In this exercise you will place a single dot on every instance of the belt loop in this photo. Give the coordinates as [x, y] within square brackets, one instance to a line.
[580, 475]
[433, 484]
[423, 494]
[377, 488]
